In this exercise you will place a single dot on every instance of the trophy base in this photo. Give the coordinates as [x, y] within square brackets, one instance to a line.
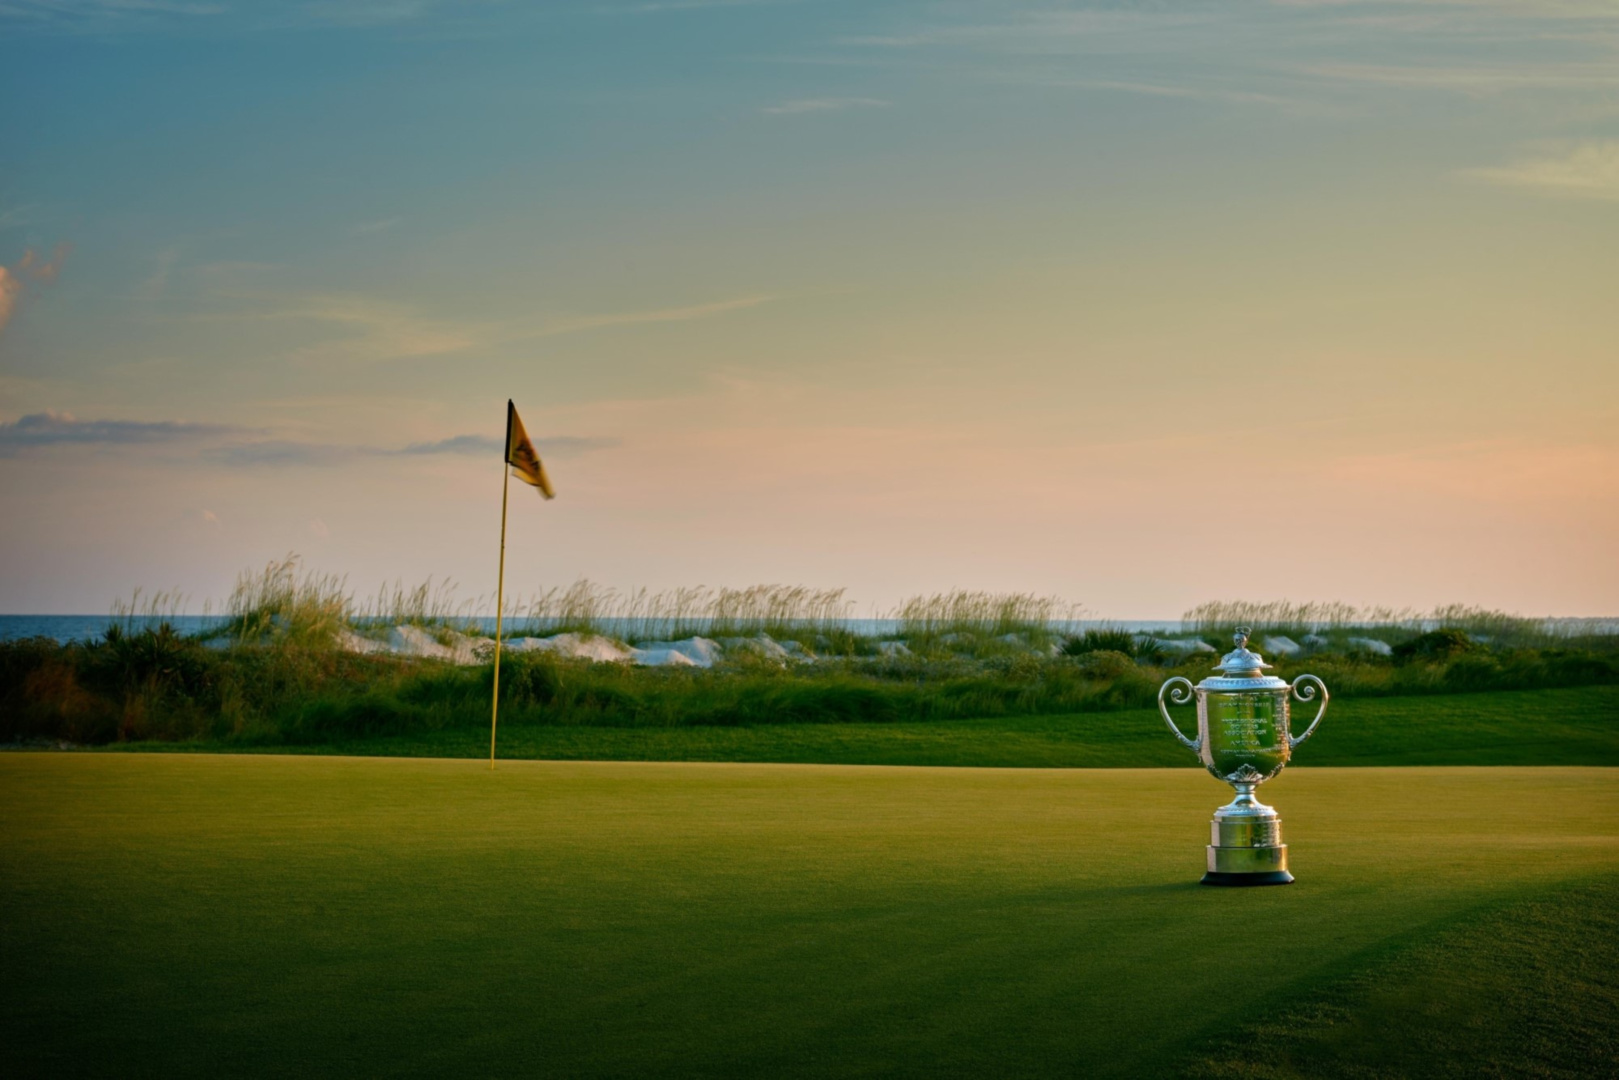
[1273, 877]
[1245, 845]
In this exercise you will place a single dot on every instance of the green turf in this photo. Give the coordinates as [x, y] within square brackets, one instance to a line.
[214, 915]
[1574, 726]
[1431, 1007]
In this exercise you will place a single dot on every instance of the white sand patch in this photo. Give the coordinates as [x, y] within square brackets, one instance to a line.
[415, 641]
[1371, 645]
[893, 648]
[1281, 646]
[664, 658]
[692, 652]
[761, 645]
[575, 647]
[349, 641]
[1181, 648]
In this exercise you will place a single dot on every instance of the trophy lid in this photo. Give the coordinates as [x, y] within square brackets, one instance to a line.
[1242, 669]
[1242, 662]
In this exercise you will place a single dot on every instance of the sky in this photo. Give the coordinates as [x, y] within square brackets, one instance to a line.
[1136, 304]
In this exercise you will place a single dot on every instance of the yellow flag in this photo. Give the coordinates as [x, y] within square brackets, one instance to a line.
[521, 456]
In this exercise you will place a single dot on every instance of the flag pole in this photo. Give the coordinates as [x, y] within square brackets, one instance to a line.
[500, 581]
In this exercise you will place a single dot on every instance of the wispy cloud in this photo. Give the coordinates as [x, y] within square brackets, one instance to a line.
[823, 104]
[126, 16]
[558, 446]
[653, 6]
[1256, 54]
[367, 228]
[1473, 80]
[31, 269]
[1536, 9]
[581, 323]
[16, 217]
[368, 330]
[1590, 170]
[1196, 91]
[375, 331]
[282, 452]
[155, 284]
[1041, 31]
[379, 331]
[235, 445]
[362, 13]
[56, 428]
[456, 444]
[100, 14]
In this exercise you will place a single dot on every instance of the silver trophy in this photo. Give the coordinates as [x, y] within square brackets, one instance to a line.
[1243, 738]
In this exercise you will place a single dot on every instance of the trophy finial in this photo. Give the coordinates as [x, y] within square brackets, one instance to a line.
[1240, 638]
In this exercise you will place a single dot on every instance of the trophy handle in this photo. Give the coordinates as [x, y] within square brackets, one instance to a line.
[1304, 688]
[1180, 695]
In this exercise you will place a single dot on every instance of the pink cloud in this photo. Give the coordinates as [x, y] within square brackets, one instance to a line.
[30, 268]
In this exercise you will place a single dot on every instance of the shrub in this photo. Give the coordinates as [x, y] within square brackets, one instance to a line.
[1106, 663]
[1441, 644]
[1145, 648]
[1564, 668]
[369, 714]
[1473, 672]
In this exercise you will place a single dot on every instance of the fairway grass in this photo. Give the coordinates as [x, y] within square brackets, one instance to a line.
[181, 915]
[1527, 989]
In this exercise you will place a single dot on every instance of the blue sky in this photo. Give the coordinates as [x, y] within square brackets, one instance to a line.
[900, 296]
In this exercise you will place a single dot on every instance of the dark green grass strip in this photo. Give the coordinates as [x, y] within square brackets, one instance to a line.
[1575, 726]
[1526, 990]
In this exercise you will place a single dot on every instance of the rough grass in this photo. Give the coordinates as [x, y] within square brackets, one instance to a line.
[175, 915]
[158, 685]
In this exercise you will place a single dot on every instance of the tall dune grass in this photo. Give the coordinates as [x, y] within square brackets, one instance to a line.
[964, 611]
[144, 609]
[1283, 616]
[287, 602]
[427, 605]
[642, 615]
[1221, 615]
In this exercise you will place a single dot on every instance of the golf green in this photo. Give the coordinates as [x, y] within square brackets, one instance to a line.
[219, 915]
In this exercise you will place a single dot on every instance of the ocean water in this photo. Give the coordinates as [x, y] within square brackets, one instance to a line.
[90, 627]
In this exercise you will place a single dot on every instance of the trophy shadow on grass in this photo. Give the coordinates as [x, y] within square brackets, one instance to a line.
[1163, 888]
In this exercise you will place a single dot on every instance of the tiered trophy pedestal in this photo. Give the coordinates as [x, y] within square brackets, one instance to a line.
[1245, 844]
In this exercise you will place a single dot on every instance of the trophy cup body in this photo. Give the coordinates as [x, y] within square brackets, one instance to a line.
[1244, 737]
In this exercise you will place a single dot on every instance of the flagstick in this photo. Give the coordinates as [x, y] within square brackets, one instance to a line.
[500, 595]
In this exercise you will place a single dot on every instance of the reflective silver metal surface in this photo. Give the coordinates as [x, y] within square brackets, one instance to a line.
[1244, 737]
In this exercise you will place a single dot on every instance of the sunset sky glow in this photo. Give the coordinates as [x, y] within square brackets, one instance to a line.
[1139, 304]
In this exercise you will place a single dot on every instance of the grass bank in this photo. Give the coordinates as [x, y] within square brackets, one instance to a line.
[1573, 726]
[187, 915]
